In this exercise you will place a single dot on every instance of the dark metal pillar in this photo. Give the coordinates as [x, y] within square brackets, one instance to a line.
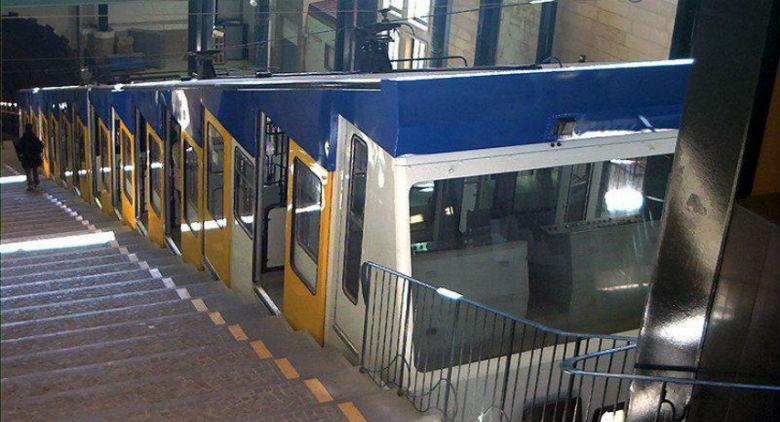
[193, 39]
[487, 32]
[344, 21]
[103, 17]
[440, 25]
[544, 45]
[736, 53]
[684, 21]
[208, 20]
[262, 20]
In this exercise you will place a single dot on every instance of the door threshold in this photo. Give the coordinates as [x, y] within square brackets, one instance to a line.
[172, 245]
[267, 301]
[141, 229]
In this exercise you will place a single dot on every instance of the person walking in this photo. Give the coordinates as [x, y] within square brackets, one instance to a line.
[29, 150]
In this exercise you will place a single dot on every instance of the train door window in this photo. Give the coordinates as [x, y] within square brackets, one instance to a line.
[306, 213]
[215, 179]
[141, 166]
[155, 175]
[105, 162]
[174, 206]
[244, 186]
[127, 169]
[356, 203]
[191, 186]
[117, 179]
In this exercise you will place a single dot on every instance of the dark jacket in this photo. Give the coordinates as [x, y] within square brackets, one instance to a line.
[29, 149]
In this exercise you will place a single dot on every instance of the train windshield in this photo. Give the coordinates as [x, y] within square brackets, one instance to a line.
[571, 246]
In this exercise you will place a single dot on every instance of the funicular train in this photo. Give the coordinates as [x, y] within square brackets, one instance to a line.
[537, 192]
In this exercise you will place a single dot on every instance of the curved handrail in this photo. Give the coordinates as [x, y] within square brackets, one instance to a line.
[570, 367]
[531, 323]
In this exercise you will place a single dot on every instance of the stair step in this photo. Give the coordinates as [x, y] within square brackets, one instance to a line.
[118, 316]
[80, 306]
[70, 273]
[61, 256]
[63, 265]
[74, 282]
[82, 355]
[115, 332]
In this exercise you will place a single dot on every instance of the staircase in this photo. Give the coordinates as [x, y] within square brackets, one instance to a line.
[123, 330]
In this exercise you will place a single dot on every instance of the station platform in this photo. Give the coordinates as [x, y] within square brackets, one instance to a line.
[100, 324]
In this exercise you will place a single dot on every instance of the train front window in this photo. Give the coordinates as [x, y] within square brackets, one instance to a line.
[571, 246]
[215, 180]
[306, 213]
[244, 202]
[191, 186]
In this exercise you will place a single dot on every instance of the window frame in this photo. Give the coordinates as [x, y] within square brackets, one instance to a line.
[299, 164]
[238, 180]
[124, 142]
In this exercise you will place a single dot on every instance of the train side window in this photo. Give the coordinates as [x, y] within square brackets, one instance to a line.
[155, 174]
[190, 186]
[306, 213]
[215, 182]
[127, 170]
[244, 202]
[355, 211]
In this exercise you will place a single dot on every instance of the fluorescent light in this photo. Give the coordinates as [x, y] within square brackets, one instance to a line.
[623, 200]
[12, 179]
[59, 242]
[417, 218]
[449, 294]
[540, 1]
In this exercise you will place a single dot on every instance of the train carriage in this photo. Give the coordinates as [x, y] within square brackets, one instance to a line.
[536, 192]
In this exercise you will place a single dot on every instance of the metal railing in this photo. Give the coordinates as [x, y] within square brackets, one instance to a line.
[609, 370]
[445, 352]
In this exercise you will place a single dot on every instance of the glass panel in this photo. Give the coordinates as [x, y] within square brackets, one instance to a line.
[244, 203]
[568, 246]
[306, 212]
[127, 169]
[356, 207]
[215, 181]
[155, 174]
[191, 186]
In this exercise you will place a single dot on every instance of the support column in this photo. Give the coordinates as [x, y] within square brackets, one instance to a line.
[684, 20]
[344, 21]
[193, 40]
[103, 17]
[262, 19]
[487, 32]
[440, 28]
[544, 45]
[736, 53]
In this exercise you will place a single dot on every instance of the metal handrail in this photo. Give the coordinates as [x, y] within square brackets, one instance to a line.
[490, 309]
[468, 360]
[570, 366]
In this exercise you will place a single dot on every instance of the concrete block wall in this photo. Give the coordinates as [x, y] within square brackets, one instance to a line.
[614, 30]
[519, 33]
[463, 30]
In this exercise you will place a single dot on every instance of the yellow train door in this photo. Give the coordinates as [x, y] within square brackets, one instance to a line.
[65, 148]
[54, 144]
[155, 186]
[308, 222]
[83, 161]
[103, 168]
[192, 201]
[219, 189]
[127, 174]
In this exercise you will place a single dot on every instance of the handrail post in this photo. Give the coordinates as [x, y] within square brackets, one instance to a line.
[452, 356]
[407, 304]
[366, 284]
[508, 365]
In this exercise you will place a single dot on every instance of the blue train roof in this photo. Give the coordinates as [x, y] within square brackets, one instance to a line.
[414, 113]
